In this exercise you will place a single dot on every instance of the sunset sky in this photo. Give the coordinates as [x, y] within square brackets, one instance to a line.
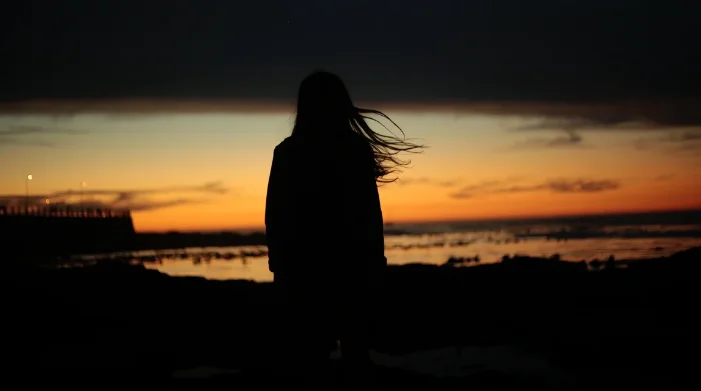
[522, 118]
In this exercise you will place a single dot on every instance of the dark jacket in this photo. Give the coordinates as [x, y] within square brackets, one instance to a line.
[323, 211]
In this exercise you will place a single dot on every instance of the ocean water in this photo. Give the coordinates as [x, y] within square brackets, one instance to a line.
[626, 237]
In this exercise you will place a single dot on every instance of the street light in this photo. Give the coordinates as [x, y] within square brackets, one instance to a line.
[26, 189]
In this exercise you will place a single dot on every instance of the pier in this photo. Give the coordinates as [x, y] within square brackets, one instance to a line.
[63, 212]
[52, 231]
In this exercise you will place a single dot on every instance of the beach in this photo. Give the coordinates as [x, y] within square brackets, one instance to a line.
[545, 323]
[219, 256]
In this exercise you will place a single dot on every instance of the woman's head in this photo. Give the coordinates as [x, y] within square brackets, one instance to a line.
[322, 99]
[324, 107]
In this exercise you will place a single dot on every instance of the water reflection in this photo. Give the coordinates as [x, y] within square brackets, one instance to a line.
[469, 248]
[251, 262]
[255, 269]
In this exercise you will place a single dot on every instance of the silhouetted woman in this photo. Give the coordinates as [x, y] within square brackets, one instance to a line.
[324, 224]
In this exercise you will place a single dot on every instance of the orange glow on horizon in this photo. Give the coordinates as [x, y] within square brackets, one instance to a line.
[208, 170]
[516, 206]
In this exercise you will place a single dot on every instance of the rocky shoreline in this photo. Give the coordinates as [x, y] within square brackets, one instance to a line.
[632, 326]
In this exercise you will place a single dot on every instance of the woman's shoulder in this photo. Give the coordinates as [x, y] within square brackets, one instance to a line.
[351, 143]
[283, 146]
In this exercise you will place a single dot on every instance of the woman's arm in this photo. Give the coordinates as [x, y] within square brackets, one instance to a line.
[377, 226]
[274, 212]
[368, 214]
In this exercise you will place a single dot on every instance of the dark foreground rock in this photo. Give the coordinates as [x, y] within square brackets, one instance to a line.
[629, 327]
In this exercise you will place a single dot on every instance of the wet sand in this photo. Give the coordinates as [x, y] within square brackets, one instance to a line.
[630, 327]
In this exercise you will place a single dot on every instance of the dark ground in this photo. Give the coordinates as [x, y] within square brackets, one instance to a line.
[635, 327]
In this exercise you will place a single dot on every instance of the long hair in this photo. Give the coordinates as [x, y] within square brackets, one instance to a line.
[324, 105]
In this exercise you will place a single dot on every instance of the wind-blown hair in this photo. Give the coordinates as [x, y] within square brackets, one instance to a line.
[324, 105]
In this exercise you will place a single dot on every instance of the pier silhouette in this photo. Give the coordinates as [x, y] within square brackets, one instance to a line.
[57, 231]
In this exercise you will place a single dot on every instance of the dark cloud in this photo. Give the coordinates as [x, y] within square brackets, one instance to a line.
[469, 191]
[570, 139]
[425, 181]
[635, 117]
[667, 123]
[134, 200]
[26, 130]
[686, 136]
[23, 135]
[151, 205]
[551, 51]
[553, 185]
[680, 121]
[684, 142]
[582, 185]
[126, 195]
[9, 141]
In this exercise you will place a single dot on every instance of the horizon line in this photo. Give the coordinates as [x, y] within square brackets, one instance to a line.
[261, 229]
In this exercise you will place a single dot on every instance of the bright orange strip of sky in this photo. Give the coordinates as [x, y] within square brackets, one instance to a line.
[507, 172]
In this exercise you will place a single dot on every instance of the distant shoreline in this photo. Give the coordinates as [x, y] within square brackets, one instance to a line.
[668, 225]
[692, 216]
[173, 240]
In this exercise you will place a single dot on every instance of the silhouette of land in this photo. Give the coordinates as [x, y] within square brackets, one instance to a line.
[93, 231]
[629, 326]
[63, 232]
[53, 232]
